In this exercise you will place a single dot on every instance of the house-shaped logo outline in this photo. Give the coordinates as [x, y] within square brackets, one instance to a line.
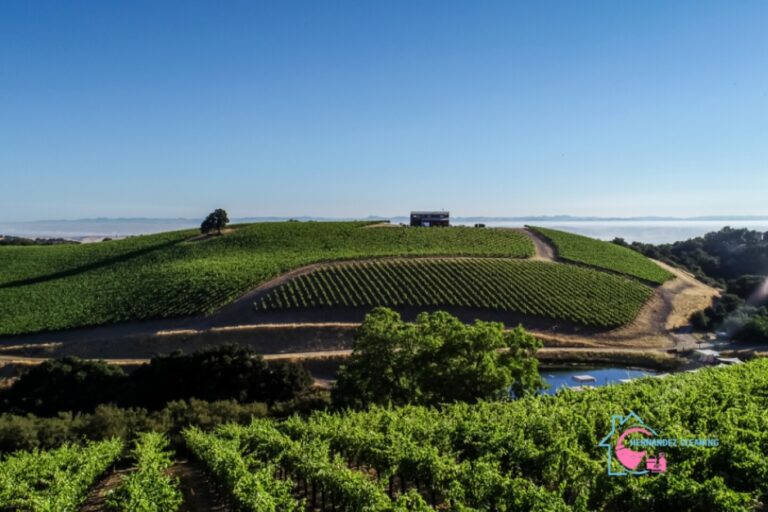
[617, 423]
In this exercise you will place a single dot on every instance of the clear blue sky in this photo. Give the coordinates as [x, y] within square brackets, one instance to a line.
[328, 108]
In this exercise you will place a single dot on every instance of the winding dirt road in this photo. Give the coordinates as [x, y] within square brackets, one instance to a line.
[134, 342]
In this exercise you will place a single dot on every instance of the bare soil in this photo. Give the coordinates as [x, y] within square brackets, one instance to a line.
[544, 250]
[97, 496]
[198, 490]
[296, 334]
[207, 236]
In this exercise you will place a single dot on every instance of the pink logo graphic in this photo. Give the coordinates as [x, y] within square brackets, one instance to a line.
[630, 461]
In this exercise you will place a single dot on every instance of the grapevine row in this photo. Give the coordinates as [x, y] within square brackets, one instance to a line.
[55, 479]
[168, 275]
[605, 255]
[549, 290]
[148, 488]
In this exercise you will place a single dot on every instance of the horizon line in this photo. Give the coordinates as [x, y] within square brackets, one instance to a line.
[563, 217]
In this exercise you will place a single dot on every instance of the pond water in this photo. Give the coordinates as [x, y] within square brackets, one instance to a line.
[564, 377]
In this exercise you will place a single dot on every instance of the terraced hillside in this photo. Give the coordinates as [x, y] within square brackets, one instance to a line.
[172, 274]
[605, 255]
[548, 290]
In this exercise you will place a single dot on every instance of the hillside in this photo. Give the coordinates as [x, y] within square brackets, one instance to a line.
[604, 255]
[540, 453]
[533, 288]
[177, 274]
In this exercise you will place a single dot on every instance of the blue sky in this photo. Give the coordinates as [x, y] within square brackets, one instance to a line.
[327, 108]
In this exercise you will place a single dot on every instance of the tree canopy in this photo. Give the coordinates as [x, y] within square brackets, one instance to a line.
[220, 373]
[435, 359]
[216, 220]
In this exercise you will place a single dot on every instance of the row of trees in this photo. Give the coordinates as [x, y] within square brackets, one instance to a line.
[436, 359]
[222, 373]
[715, 257]
[733, 259]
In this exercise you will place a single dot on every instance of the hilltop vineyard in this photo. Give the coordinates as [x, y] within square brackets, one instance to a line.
[173, 274]
[604, 255]
[563, 292]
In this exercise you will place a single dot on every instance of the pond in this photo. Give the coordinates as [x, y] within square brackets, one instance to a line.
[582, 376]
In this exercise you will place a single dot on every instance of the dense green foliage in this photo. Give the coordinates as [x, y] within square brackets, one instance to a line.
[253, 488]
[29, 432]
[754, 330]
[218, 373]
[538, 453]
[66, 384]
[718, 256]
[734, 259]
[436, 359]
[742, 319]
[245, 454]
[148, 488]
[166, 275]
[55, 480]
[17, 240]
[604, 255]
[217, 219]
[564, 292]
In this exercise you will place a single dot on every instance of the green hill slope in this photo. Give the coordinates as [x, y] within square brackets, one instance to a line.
[533, 454]
[582, 249]
[58, 287]
[550, 290]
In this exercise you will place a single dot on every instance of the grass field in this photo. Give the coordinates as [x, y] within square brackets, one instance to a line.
[59, 287]
[550, 290]
[596, 253]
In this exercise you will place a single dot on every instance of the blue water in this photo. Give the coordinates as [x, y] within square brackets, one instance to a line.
[648, 231]
[564, 378]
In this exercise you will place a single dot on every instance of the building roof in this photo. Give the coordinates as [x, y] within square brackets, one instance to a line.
[430, 213]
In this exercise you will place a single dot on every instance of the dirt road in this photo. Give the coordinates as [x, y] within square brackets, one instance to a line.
[238, 322]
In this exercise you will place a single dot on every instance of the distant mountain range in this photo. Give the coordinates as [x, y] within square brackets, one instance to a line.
[545, 218]
[631, 228]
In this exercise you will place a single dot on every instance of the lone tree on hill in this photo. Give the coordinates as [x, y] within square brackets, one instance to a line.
[215, 220]
[434, 360]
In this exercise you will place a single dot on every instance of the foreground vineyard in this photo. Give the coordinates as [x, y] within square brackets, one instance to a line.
[148, 488]
[539, 453]
[563, 292]
[55, 480]
[60, 287]
[582, 249]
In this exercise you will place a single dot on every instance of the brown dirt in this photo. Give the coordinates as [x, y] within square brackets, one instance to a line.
[97, 496]
[687, 296]
[668, 309]
[208, 236]
[544, 250]
[197, 489]
[319, 331]
[382, 225]
[6, 383]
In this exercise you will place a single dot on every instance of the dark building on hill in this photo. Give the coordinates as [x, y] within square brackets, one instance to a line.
[430, 219]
